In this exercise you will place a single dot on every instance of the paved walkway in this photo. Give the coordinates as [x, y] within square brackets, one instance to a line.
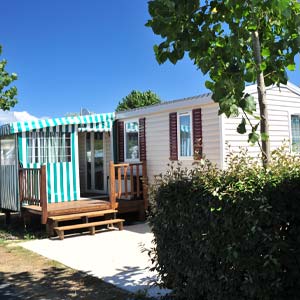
[115, 256]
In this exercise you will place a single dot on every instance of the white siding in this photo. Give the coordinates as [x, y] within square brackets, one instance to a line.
[157, 138]
[281, 103]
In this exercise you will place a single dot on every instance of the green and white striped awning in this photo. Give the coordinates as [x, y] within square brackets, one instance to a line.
[97, 122]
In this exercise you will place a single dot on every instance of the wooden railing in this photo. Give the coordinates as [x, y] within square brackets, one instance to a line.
[131, 183]
[32, 188]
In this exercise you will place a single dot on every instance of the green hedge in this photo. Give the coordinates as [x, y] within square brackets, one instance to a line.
[231, 234]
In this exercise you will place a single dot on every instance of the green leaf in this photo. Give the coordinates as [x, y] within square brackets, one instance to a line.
[209, 85]
[250, 76]
[263, 66]
[253, 137]
[265, 52]
[252, 27]
[7, 92]
[173, 57]
[291, 67]
[250, 104]
[264, 136]
[242, 127]
[219, 44]
[14, 76]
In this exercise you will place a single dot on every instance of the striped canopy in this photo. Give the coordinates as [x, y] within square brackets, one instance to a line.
[97, 122]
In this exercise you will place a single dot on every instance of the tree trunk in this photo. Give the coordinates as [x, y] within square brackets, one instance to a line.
[261, 89]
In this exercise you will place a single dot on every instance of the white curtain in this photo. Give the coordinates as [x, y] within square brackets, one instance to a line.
[47, 147]
[185, 136]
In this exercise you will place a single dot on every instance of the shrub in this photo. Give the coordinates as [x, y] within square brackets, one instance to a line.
[230, 234]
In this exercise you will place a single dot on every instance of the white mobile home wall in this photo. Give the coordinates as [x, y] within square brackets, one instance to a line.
[217, 131]
[157, 132]
[281, 104]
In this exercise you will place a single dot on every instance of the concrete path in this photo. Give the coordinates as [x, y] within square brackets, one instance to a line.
[114, 256]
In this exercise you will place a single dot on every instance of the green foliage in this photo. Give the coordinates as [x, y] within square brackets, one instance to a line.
[218, 37]
[7, 94]
[137, 99]
[229, 234]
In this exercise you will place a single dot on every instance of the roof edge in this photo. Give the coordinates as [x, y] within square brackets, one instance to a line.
[164, 106]
[202, 99]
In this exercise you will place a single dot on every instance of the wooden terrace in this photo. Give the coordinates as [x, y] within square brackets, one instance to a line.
[127, 193]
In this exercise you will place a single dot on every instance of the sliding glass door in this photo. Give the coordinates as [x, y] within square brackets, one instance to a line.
[95, 162]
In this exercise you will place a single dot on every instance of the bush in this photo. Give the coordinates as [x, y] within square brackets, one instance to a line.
[230, 234]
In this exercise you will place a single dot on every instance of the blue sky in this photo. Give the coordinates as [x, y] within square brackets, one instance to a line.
[70, 54]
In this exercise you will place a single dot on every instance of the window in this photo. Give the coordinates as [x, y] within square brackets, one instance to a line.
[48, 147]
[295, 125]
[8, 151]
[131, 140]
[185, 135]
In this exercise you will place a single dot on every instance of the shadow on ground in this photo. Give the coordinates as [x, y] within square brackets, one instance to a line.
[57, 283]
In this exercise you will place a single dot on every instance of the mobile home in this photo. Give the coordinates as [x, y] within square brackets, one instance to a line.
[48, 166]
[178, 130]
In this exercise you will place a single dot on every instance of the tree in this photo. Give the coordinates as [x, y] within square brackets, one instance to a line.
[235, 42]
[137, 99]
[7, 94]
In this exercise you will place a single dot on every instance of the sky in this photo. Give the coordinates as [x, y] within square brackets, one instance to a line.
[72, 54]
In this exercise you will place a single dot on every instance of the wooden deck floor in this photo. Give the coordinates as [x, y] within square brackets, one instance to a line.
[71, 207]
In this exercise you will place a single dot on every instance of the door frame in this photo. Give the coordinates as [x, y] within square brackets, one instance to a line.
[93, 190]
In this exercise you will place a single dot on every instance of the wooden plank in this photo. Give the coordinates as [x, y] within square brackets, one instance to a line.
[126, 206]
[92, 203]
[125, 181]
[120, 224]
[84, 214]
[92, 230]
[112, 181]
[121, 165]
[50, 227]
[60, 234]
[119, 183]
[132, 194]
[87, 225]
[131, 182]
[43, 194]
[76, 210]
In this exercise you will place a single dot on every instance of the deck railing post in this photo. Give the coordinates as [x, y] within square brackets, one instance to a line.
[112, 183]
[43, 194]
[145, 185]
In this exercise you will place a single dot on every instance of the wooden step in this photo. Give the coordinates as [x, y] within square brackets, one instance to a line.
[90, 214]
[61, 229]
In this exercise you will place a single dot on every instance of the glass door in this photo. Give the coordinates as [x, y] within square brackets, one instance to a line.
[98, 162]
[94, 162]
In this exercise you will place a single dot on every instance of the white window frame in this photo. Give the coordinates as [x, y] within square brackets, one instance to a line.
[130, 160]
[37, 147]
[291, 133]
[180, 114]
[92, 140]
